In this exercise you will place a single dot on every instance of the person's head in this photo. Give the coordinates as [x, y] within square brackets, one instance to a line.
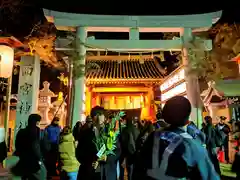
[208, 119]
[222, 119]
[97, 115]
[66, 130]
[89, 121]
[34, 120]
[110, 118]
[176, 111]
[55, 121]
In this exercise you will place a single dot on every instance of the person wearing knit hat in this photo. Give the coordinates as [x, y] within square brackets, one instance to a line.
[176, 111]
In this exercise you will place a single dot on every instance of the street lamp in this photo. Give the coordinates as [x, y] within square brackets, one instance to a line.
[6, 61]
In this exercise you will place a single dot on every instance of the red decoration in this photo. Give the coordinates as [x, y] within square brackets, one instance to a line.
[221, 156]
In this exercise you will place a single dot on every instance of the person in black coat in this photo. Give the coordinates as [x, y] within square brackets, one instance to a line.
[211, 143]
[129, 138]
[3, 147]
[223, 130]
[92, 167]
[31, 146]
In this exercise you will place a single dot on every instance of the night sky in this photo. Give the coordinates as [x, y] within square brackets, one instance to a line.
[31, 12]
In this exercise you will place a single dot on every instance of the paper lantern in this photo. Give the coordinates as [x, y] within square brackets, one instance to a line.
[6, 61]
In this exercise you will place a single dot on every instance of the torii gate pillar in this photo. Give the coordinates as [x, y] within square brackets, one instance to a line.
[78, 83]
[193, 89]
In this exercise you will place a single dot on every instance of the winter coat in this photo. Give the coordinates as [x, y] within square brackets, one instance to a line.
[87, 153]
[185, 161]
[211, 136]
[53, 132]
[129, 138]
[67, 159]
[30, 148]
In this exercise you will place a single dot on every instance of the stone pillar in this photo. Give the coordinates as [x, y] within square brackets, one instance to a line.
[193, 89]
[28, 89]
[79, 83]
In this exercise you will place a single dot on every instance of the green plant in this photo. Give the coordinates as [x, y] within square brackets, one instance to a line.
[80, 67]
[207, 65]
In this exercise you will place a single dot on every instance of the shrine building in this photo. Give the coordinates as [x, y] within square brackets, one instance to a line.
[126, 84]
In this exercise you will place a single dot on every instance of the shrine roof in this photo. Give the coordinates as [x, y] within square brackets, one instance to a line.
[131, 71]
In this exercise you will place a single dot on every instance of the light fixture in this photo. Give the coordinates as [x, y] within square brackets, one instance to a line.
[6, 61]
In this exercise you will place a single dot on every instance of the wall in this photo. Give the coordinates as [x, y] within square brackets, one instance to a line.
[122, 102]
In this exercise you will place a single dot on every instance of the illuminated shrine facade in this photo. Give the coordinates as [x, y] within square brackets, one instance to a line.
[173, 85]
[123, 85]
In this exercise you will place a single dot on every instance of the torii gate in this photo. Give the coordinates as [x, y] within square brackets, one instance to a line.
[82, 23]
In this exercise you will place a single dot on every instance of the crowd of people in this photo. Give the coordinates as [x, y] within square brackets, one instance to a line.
[111, 147]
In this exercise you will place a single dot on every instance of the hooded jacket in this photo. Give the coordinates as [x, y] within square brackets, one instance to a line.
[30, 147]
[67, 158]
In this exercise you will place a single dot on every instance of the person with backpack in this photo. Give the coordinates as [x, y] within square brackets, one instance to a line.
[30, 146]
[171, 153]
[53, 134]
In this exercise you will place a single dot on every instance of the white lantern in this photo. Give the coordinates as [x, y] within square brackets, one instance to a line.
[6, 61]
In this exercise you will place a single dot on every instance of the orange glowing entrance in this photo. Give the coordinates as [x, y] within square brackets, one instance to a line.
[123, 85]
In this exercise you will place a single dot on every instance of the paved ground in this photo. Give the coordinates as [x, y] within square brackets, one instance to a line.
[225, 168]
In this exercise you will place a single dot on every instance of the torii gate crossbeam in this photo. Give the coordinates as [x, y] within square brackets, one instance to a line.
[82, 23]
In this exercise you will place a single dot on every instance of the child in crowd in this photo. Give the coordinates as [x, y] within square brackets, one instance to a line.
[68, 163]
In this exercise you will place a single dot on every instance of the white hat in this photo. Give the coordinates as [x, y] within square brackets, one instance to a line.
[2, 135]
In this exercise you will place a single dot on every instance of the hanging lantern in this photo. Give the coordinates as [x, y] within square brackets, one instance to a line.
[6, 61]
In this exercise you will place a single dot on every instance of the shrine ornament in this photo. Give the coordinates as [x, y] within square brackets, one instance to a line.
[6, 61]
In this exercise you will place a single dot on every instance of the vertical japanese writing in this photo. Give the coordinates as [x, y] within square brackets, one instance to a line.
[24, 107]
[25, 89]
[27, 71]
